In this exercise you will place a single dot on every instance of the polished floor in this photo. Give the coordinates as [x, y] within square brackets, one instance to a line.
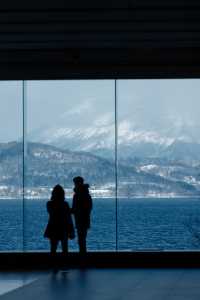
[11, 280]
[104, 284]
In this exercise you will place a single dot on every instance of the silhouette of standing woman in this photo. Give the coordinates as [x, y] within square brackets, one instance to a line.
[60, 225]
[81, 208]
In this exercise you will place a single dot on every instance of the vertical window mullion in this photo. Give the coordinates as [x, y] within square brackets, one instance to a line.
[24, 98]
[116, 165]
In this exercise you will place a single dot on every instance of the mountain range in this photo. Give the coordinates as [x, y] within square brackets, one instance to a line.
[99, 139]
[47, 165]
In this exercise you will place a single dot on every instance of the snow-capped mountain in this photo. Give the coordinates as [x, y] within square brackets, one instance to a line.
[77, 139]
[99, 138]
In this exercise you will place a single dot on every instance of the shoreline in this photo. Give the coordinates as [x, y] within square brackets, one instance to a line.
[107, 197]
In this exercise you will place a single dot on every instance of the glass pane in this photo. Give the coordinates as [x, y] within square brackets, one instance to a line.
[11, 158]
[70, 132]
[159, 164]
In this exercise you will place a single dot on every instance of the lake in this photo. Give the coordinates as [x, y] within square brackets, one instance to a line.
[142, 223]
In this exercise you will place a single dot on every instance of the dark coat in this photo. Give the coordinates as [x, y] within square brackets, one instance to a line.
[81, 208]
[60, 225]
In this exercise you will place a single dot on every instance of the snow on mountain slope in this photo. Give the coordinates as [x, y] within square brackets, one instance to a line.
[48, 165]
[100, 139]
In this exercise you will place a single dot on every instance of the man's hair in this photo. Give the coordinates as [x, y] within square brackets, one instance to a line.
[78, 179]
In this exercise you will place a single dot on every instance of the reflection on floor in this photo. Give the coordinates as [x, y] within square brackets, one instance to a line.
[12, 280]
[115, 284]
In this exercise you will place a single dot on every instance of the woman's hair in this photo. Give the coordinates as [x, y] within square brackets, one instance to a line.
[58, 193]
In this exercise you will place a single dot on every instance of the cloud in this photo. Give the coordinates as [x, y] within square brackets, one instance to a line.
[80, 109]
[105, 120]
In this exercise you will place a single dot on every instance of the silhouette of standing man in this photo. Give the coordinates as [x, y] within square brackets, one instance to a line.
[81, 208]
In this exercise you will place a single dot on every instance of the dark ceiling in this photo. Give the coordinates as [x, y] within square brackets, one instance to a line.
[99, 39]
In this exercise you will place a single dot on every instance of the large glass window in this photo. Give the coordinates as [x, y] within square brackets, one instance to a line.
[11, 166]
[158, 164]
[70, 132]
[136, 142]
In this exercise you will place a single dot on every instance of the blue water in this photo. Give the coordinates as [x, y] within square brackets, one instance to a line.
[143, 224]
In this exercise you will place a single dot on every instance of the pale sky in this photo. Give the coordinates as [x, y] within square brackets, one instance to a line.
[148, 104]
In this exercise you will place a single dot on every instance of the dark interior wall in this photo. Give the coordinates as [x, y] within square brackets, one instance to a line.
[99, 39]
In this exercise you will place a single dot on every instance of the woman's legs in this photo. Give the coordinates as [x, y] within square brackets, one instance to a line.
[64, 244]
[53, 245]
